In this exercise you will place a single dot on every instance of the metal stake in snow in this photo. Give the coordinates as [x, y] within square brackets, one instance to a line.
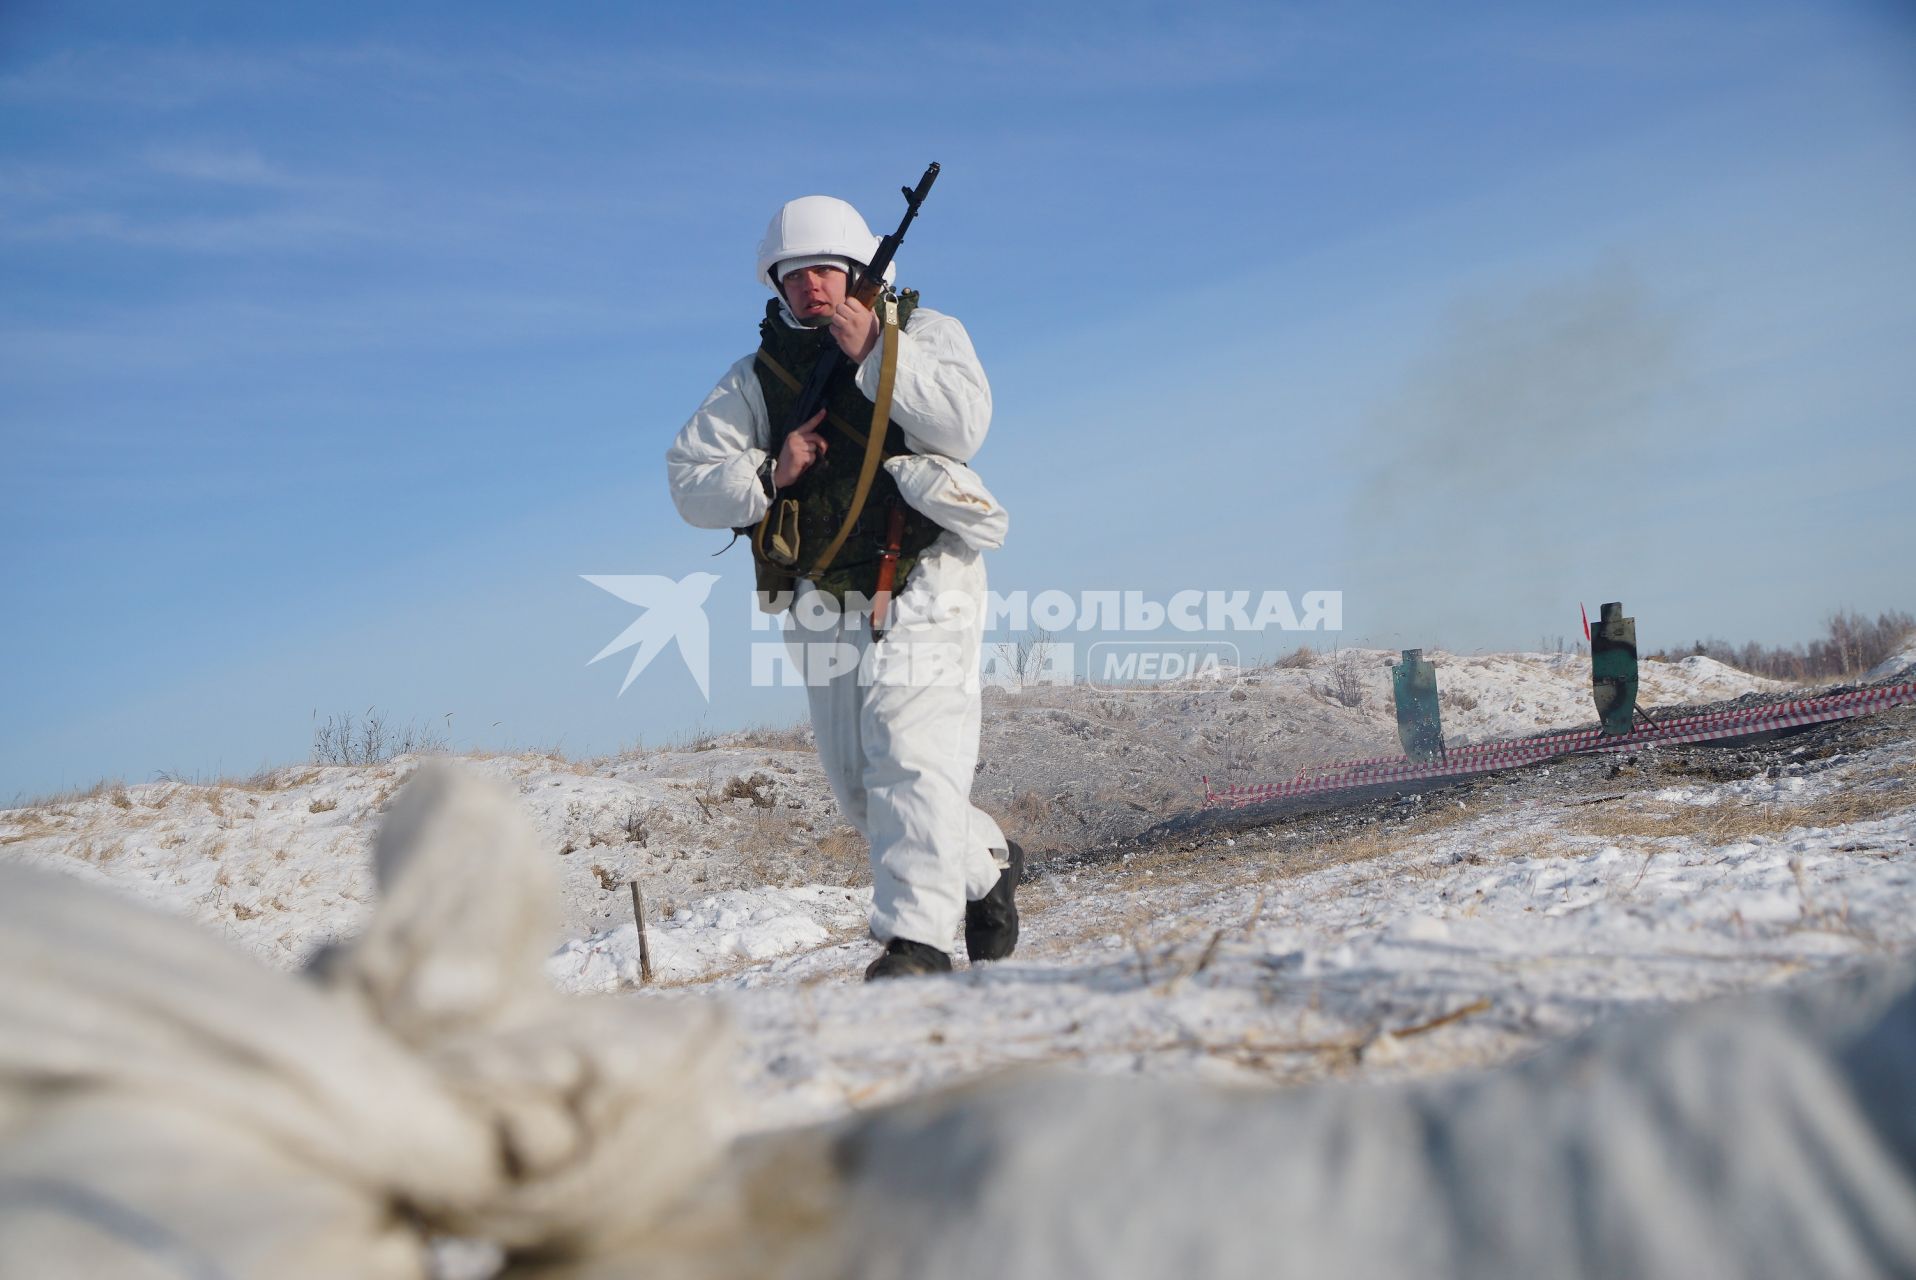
[645, 949]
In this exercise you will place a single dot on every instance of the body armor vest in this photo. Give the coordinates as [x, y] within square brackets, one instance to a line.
[824, 492]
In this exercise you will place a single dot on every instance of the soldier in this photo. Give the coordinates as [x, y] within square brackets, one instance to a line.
[895, 715]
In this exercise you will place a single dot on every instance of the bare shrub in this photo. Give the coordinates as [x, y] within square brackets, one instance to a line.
[1029, 655]
[755, 788]
[1302, 658]
[370, 738]
[1347, 684]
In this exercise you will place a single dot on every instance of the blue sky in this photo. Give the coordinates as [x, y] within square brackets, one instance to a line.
[335, 345]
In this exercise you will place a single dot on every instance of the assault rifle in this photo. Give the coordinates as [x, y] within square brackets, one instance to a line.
[811, 398]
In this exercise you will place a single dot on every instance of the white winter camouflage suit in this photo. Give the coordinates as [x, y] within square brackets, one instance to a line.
[898, 735]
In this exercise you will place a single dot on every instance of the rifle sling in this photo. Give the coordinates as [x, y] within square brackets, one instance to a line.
[875, 441]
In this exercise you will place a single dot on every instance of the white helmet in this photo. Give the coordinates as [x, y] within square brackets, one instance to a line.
[815, 227]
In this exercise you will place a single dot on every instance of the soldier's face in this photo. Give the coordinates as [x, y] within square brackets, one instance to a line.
[813, 293]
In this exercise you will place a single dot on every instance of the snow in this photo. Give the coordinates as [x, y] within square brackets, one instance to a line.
[1306, 975]
[1481, 928]
[1893, 666]
[712, 935]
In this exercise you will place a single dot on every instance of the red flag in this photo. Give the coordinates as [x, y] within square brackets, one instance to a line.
[1586, 621]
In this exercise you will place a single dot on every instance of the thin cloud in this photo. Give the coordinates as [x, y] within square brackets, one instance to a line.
[148, 78]
[277, 231]
[224, 166]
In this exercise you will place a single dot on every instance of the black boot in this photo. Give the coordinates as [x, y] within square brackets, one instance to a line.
[991, 923]
[903, 958]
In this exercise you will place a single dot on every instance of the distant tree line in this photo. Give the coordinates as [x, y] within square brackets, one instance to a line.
[1853, 645]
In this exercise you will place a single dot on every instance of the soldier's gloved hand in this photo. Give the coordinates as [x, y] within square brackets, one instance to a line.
[802, 448]
[855, 326]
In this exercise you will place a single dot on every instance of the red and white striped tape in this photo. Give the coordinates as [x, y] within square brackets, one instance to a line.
[1486, 757]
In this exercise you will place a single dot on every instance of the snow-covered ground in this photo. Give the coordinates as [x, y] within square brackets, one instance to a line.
[1487, 920]
[1476, 931]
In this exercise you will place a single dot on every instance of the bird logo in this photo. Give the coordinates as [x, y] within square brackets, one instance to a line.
[674, 611]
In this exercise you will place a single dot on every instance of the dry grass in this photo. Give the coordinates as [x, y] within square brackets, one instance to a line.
[59, 800]
[270, 779]
[702, 740]
[1302, 658]
[1734, 819]
[558, 760]
[115, 791]
[1028, 812]
[843, 847]
[766, 737]
[772, 849]
[31, 827]
[776, 848]
[1530, 845]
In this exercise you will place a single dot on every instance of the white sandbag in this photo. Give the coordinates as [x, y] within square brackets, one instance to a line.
[164, 1098]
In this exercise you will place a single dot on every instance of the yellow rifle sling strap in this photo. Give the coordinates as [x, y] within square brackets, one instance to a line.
[875, 441]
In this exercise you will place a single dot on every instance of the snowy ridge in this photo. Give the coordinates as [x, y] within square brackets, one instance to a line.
[280, 862]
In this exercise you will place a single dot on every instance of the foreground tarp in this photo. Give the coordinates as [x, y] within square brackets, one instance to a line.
[170, 1108]
[1768, 1138]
